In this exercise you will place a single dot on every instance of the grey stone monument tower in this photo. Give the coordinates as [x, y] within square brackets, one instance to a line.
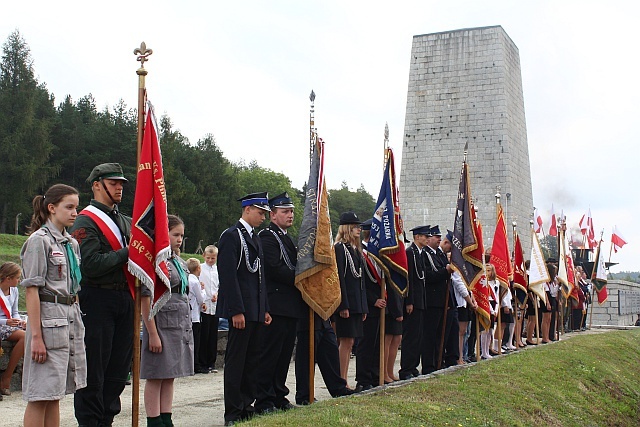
[465, 85]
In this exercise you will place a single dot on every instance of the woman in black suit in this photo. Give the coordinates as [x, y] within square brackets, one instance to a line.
[352, 311]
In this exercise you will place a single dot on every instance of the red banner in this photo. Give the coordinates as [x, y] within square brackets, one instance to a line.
[150, 248]
[500, 251]
[520, 271]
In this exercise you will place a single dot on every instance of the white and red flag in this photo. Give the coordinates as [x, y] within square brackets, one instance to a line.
[599, 275]
[150, 249]
[553, 228]
[617, 239]
[586, 227]
[537, 221]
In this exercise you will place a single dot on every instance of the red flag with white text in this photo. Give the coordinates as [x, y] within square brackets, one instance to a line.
[150, 248]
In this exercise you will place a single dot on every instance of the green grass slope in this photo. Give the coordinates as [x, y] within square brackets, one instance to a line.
[588, 380]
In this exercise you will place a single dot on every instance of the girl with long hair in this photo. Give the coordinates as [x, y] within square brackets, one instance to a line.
[56, 362]
[11, 325]
[353, 308]
[167, 338]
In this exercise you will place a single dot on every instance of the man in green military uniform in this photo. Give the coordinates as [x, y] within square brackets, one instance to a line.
[105, 299]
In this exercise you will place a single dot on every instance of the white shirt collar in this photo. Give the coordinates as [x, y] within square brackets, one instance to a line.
[247, 226]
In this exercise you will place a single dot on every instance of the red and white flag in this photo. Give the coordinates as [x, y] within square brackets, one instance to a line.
[553, 228]
[537, 221]
[617, 239]
[150, 248]
[586, 227]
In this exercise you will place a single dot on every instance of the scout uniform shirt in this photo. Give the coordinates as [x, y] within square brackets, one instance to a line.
[45, 265]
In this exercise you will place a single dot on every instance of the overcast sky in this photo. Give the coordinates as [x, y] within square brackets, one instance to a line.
[243, 71]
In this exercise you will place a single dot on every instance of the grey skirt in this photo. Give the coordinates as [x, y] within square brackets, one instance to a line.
[173, 323]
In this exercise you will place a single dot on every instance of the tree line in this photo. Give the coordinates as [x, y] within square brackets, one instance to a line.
[42, 143]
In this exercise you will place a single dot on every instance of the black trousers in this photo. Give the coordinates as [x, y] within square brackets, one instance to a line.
[368, 353]
[241, 362]
[412, 333]
[196, 327]
[431, 348]
[576, 319]
[471, 342]
[451, 341]
[108, 322]
[327, 358]
[278, 340]
[208, 340]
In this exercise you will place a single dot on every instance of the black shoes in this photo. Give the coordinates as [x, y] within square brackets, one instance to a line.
[287, 406]
[344, 392]
[265, 411]
[362, 387]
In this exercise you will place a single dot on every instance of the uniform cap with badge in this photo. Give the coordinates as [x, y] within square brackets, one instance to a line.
[435, 231]
[258, 200]
[106, 171]
[281, 201]
[422, 229]
[349, 218]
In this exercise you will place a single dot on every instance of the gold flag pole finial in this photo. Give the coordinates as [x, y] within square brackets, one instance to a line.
[142, 54]
[386, 146]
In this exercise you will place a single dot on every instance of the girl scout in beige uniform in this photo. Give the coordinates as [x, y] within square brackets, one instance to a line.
[55, 362]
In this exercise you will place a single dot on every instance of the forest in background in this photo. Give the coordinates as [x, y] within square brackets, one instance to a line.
[43, 142]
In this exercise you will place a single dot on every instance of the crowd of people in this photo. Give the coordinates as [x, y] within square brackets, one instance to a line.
[78, 338]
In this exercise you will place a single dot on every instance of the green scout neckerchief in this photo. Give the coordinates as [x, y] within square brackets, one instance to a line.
[184, 279]
[74, 268]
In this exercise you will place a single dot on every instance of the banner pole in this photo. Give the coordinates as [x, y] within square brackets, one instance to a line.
[142, 54]
[535, 306]
[383, 319]
[498, 330]
[312, 329]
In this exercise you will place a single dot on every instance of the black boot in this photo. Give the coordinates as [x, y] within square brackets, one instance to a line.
[166, 419]
[155, 422]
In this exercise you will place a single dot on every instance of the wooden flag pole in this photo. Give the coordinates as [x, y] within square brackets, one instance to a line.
[610, 250]
[142, 53]
[484, 270]
[312, 330]
[382, 325]
[498, 330]
[535, 306]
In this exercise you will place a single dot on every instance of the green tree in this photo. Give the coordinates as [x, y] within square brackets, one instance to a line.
[253, 178]
[344, 200]
[26, 117]
[549, 245]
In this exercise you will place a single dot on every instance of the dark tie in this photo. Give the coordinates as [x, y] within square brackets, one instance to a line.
[117, 218]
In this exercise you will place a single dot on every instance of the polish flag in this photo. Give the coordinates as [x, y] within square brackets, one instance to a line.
[586, 227]
[553, 229]
[617, 239]
[537, 221]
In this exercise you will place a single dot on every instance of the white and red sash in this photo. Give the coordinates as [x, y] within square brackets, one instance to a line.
[113, 235]
[4, 305]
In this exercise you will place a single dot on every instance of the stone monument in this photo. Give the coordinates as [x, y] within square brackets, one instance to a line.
[465, 86]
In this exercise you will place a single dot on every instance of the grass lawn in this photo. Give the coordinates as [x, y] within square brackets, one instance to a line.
[588, 380]
[10, 246]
